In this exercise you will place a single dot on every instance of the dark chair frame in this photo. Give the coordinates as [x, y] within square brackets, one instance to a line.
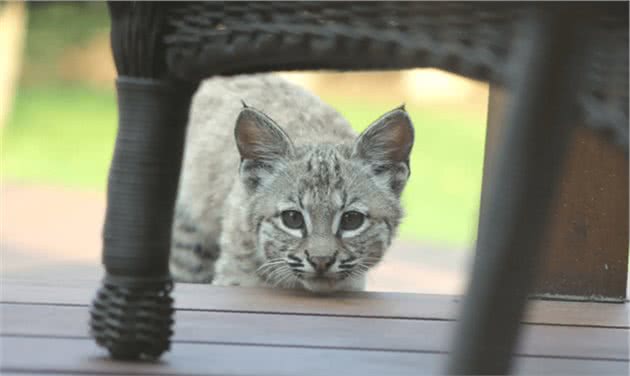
[550, 57]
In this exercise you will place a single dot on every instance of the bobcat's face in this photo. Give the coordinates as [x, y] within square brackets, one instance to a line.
[324, 214]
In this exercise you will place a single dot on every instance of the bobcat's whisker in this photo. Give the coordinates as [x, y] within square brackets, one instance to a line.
[277, 270]
[288, 273]
[354, 274]
[269, 264]
[294, 281]
[266, 273]
[362, 267]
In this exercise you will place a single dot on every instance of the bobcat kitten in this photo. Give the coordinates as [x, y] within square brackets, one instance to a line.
[276, 188]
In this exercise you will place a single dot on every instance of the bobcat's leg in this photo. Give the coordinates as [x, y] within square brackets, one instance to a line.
[194, 249]
[239, 260]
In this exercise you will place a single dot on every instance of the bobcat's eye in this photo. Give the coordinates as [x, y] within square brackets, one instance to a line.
[351, 220]
[292, 219]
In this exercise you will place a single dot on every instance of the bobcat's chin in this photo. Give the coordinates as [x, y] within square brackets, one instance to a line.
[331, 285]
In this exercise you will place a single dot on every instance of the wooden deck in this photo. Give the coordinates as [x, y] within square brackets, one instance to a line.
[236, 331]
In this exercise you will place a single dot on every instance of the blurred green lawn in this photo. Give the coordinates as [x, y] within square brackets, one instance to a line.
[64, 135]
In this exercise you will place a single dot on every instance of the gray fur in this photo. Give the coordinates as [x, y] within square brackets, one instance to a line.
[257, 146]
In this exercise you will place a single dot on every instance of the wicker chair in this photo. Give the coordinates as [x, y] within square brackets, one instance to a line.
[560, 62]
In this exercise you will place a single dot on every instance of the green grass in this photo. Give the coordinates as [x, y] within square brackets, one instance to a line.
[65, 136]
[60, 135]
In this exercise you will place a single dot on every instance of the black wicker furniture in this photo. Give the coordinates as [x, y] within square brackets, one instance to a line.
[561, 62]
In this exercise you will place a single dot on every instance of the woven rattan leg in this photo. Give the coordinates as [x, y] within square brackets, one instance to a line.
[132, 313]
[512, 221]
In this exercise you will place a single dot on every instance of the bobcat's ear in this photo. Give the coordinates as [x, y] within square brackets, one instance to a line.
[388, 139]
[260, 138]
[262, 144]
[386, 146]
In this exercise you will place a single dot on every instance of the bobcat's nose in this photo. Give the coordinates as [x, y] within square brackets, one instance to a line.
[321, 263]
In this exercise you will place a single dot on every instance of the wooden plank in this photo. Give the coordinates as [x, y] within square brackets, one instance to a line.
[20, 373]
[66, 356]
[587, 244]
[322, 331]
[365, 304]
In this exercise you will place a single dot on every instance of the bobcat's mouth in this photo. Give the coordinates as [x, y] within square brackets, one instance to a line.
[322, 283]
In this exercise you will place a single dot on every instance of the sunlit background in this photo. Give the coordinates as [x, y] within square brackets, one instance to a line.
[58, 124]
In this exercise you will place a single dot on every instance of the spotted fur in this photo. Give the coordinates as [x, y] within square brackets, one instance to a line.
[258, 147]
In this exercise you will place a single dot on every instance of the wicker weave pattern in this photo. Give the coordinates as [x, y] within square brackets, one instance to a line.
[475, 40]
[133, 322]
[239, 37]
